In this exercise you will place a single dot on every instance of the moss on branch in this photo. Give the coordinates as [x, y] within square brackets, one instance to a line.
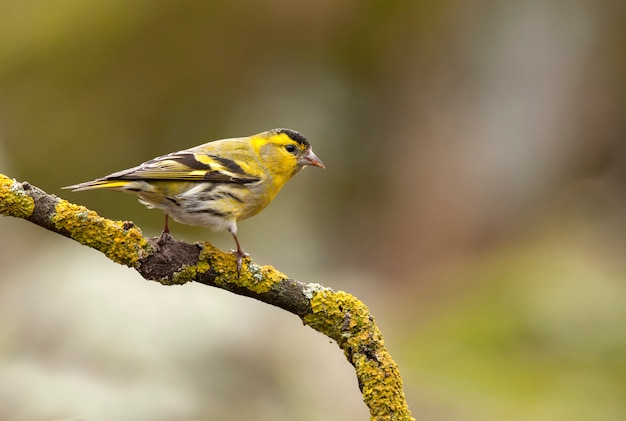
[338, 315]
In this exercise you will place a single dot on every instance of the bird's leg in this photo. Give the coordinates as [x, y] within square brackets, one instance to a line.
[166, 225]
[165, 234]
[239, 253]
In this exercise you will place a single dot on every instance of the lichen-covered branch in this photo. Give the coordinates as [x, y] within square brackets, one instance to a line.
[338, 315]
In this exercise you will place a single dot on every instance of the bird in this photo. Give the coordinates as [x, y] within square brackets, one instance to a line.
[215, 184]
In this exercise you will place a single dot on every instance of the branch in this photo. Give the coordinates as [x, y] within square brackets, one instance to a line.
[338, 315]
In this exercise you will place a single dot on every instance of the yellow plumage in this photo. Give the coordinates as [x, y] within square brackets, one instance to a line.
[218, 183]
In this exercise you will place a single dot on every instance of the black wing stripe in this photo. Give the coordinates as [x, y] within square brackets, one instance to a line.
[231, 165]
[189, 160]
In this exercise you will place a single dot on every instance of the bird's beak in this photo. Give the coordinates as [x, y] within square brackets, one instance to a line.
[309, 158]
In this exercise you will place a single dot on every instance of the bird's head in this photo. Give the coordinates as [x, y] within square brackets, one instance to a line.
[285, 152]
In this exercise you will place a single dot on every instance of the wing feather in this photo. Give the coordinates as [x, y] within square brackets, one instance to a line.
[185, 166]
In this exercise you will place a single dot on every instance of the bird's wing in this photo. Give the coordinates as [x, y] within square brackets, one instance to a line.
[188, 166]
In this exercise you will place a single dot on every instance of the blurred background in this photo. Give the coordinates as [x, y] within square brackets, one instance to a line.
[474, 199]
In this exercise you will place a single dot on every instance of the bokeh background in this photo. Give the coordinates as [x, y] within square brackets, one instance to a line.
[474, 199]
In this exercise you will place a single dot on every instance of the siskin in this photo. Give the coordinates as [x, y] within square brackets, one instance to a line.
[216, 184]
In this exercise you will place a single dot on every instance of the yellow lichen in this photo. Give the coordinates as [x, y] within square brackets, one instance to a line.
[122, 245]
[344, 318]
[184, 275]
[213, 258]
[13, 200]
[336, 313]
[255, 278]
[260, 278]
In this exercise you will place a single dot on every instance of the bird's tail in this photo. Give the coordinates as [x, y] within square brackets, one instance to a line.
[99, 184]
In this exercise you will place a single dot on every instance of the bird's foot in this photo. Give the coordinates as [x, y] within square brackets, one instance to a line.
[239, 256]
[165, 237]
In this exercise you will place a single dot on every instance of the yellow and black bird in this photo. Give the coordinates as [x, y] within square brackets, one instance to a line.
[218, 183]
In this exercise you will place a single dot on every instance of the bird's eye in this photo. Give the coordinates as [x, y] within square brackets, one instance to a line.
[290, 148]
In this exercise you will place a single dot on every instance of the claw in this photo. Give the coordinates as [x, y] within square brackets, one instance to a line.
[239, 256]
[239, 253]
[164, 238]
[165, 234]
